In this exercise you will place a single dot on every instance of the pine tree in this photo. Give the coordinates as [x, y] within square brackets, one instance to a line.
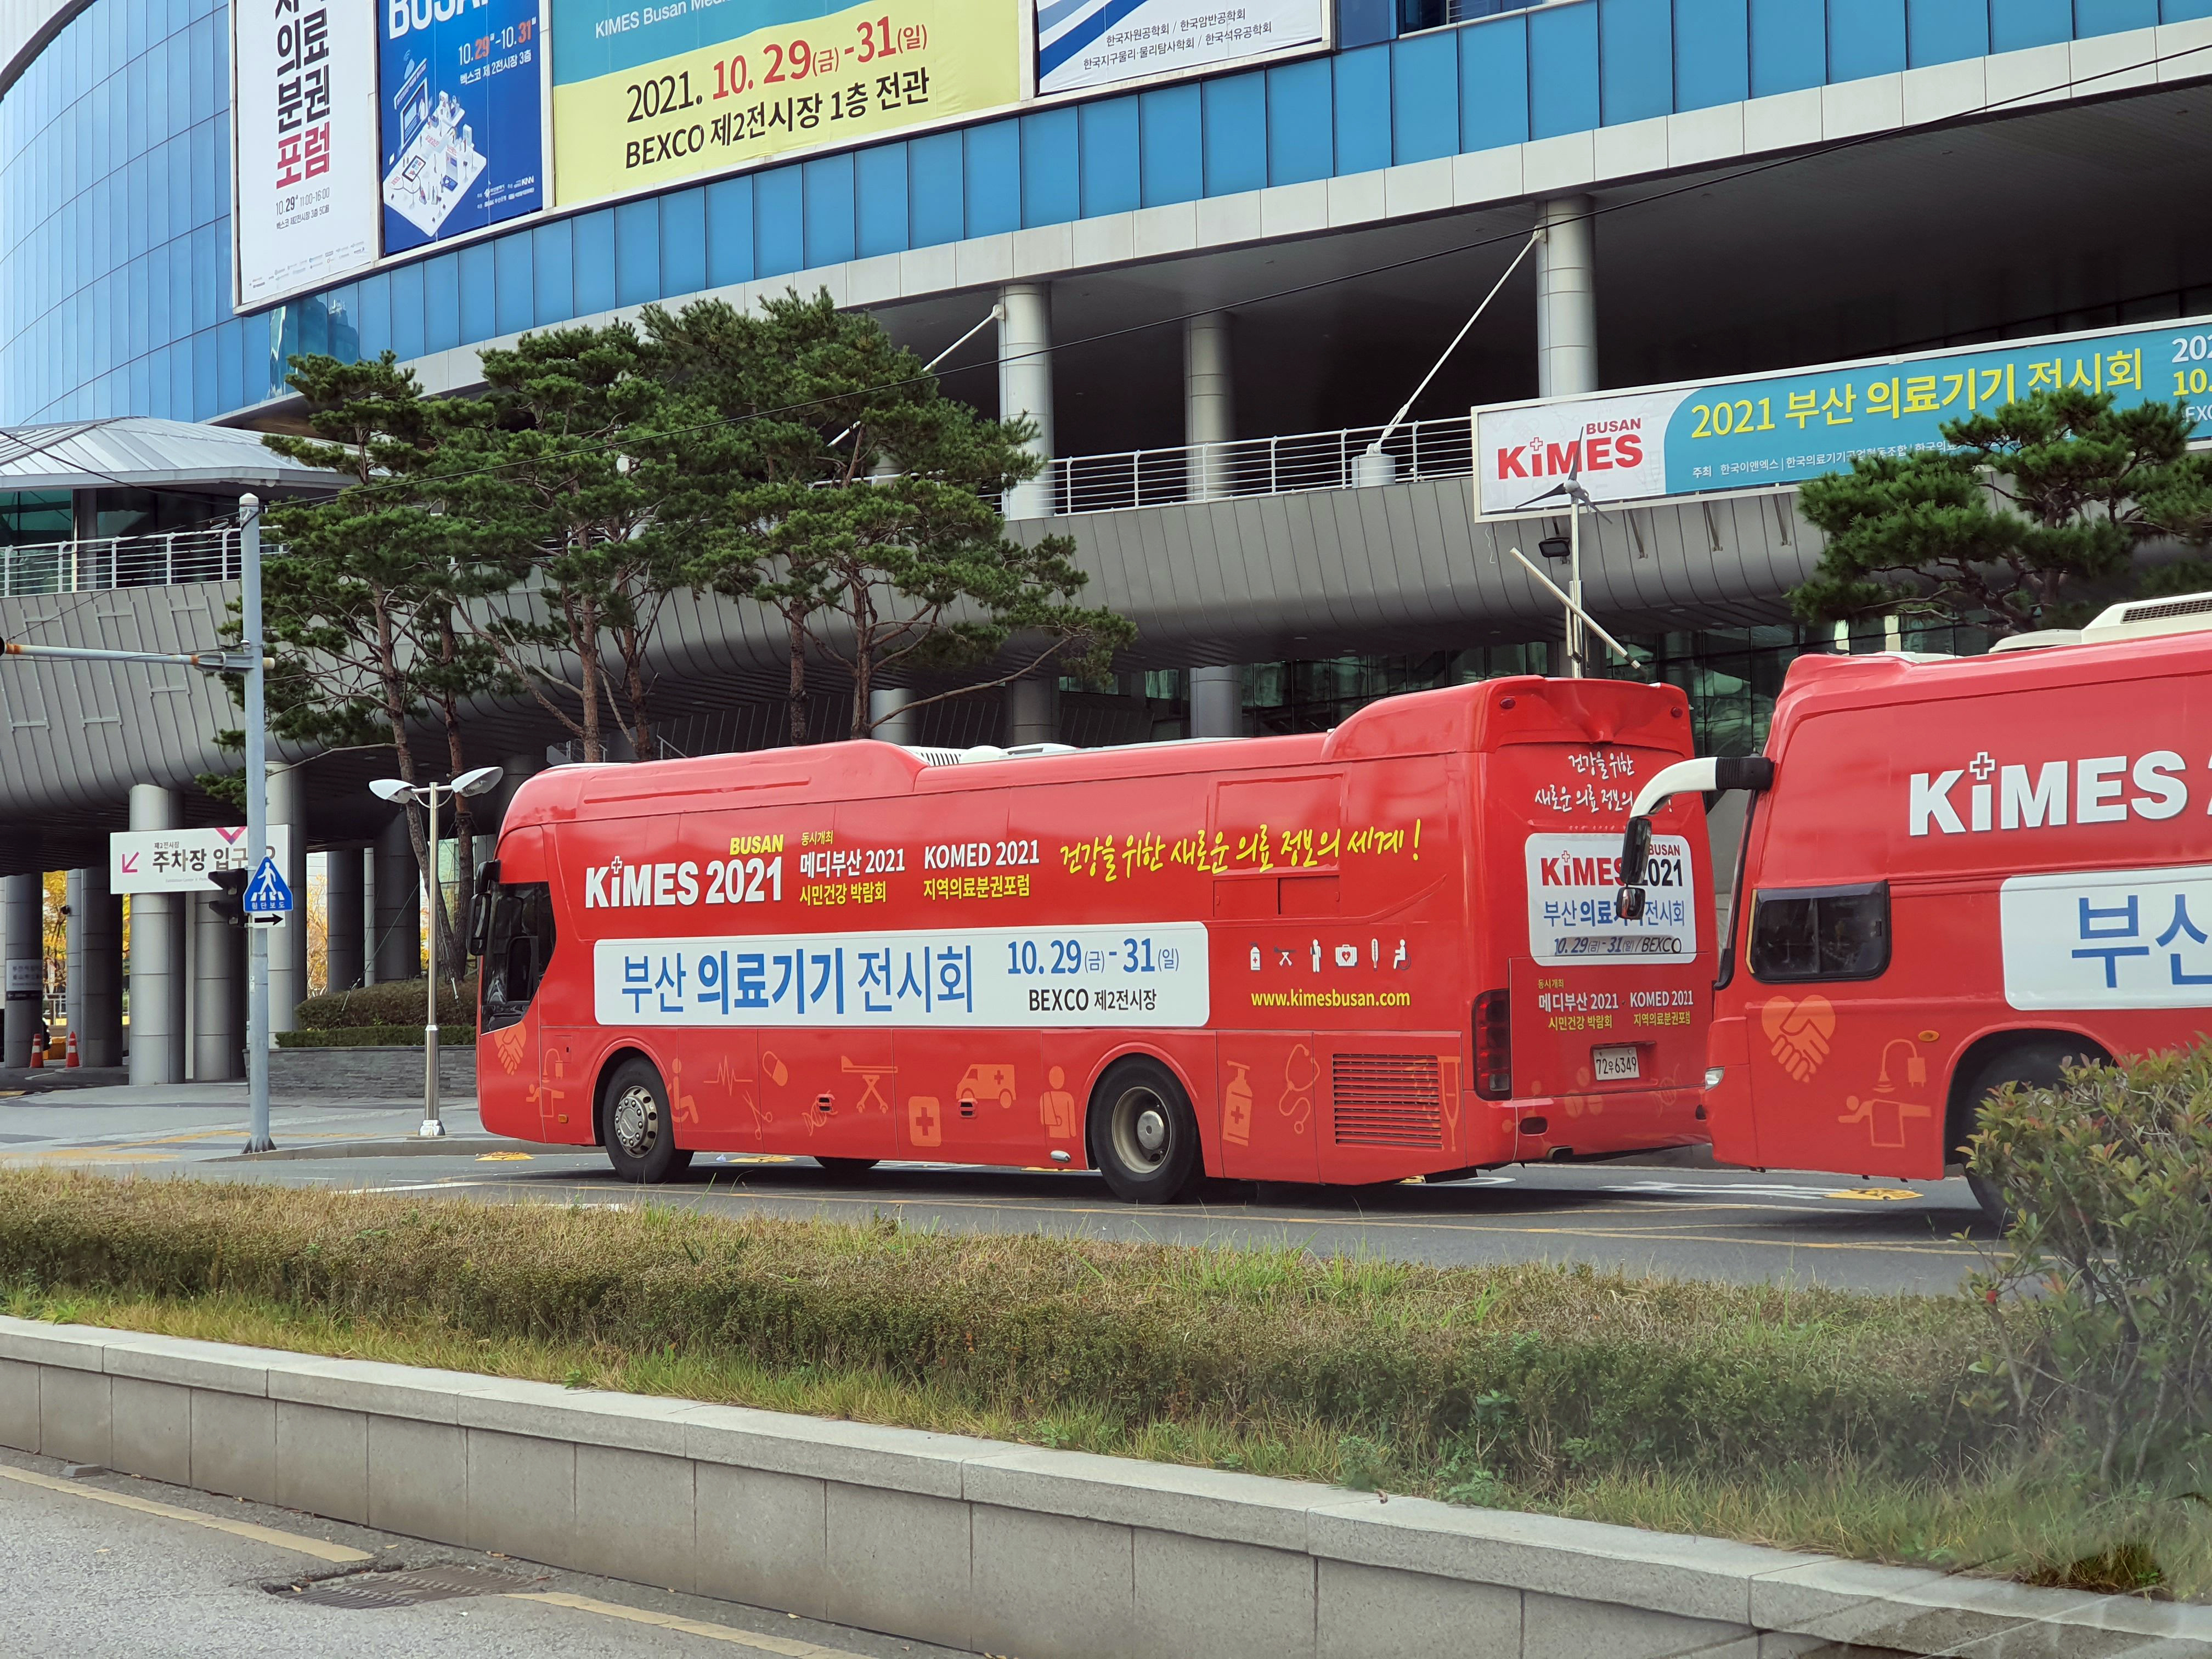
[361, 598]
[567, 480]
[2036, 504]
[857, 502]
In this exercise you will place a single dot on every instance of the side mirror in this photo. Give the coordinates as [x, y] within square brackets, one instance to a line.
[480, 911]
[1635, 851]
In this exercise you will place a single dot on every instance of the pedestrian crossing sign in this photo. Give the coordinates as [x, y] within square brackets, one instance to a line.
[266, 894]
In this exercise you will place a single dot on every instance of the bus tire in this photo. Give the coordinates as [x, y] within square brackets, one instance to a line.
[845, 1169]
[2036, 1064]
[641, 1138]
[1143, 1134]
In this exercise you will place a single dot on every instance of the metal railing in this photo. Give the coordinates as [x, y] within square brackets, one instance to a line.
[162, 560]
[1440, 448]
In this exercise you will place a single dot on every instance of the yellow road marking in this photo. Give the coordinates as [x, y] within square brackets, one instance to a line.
[321, 1548]
[1874, 1194]
[503, 1157]
[744, 1638]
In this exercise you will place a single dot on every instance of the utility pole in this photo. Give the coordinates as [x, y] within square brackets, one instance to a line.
[256, 824]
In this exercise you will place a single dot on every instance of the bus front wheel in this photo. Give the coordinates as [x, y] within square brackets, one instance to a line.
[639, 1137]
[2041, 1064]
[1144, 1135]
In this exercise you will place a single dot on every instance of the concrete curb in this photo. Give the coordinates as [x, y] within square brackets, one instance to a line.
[980, 1544]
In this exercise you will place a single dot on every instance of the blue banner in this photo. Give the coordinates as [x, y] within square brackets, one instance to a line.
[461, 106]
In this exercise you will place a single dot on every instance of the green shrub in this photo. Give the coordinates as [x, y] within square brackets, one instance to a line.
[376, 1036]
[399, 1002]
[2108, 1178]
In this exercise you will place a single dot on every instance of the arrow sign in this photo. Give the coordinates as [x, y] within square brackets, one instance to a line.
[266, 894]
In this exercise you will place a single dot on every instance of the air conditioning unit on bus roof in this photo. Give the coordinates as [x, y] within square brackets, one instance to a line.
[2131, 619]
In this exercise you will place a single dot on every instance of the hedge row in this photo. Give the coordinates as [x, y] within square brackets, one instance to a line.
[1546, 1372]
[396, 1002]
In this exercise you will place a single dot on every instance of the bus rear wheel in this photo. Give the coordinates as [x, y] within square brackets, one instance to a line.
[1144, 1135]
[2036, 1065]
[640, 1140]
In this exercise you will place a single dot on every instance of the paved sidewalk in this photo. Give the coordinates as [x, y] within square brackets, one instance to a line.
[171, 1123]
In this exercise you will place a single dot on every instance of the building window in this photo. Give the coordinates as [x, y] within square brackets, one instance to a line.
[30, 518]
[1414, 16]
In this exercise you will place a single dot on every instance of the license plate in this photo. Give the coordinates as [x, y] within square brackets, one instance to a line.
[1614, 1064]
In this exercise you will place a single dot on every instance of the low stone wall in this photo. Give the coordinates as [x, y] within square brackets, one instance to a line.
[346, 1074]
[980, 1544]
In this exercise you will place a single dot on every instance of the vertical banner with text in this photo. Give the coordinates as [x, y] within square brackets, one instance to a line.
[648, 95]
[461, 103]
[305, 133]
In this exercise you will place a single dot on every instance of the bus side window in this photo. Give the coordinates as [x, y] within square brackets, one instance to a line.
[1820, 933]
[518, 947]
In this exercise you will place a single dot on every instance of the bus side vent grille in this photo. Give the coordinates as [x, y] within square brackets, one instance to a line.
[1386, 1100]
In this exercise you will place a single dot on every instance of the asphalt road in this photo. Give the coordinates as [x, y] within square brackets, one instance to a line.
[108, 1566]
[1667, 1216]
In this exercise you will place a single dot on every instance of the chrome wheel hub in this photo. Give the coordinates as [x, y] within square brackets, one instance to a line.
[1142, 1130]
[637, 1120]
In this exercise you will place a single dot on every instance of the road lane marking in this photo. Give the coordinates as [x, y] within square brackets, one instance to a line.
[321, 1548]
[744, 1638]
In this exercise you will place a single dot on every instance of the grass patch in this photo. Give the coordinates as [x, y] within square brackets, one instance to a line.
[1806, 1418]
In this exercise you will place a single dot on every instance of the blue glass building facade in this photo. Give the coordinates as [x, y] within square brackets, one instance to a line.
[115, 286]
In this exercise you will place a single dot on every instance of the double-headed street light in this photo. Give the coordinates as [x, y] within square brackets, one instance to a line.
[429, 794]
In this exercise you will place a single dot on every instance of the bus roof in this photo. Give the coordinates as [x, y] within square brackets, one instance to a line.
[1820, 683]
[1485, 714]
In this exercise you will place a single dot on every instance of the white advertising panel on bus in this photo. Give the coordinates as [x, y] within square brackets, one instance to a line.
[1097, 43]
[2108, 938]
[1573, 882]
[1154, 975]
[304, 131]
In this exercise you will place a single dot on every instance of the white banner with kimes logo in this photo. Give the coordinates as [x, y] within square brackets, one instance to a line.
[1573, 881]
[1616, 447]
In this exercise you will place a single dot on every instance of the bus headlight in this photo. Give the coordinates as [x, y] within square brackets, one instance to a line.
[1713, 1075]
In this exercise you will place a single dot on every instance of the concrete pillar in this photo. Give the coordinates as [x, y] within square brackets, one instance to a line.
[287, 945]
[345, 924]
[1217, 702]
[399, 949]
[887, 707]
[23, 980]
[1025, 385]
[1209, 404]
[157, 958]
[1032, 710]
[515, 771]
[1566, 297]
[95, 967]
[218, 994]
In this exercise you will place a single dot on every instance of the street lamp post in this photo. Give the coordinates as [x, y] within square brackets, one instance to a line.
[428, 794]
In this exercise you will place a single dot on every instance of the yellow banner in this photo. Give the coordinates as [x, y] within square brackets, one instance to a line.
[855, 74]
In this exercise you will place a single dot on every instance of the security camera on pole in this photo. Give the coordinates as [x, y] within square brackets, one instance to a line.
[428, 795]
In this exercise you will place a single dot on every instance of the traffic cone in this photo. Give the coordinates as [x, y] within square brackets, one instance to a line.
[72, 1058]
[38, 1056]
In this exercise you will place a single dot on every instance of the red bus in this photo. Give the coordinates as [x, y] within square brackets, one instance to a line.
[1960, 872]
[1384, 951]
